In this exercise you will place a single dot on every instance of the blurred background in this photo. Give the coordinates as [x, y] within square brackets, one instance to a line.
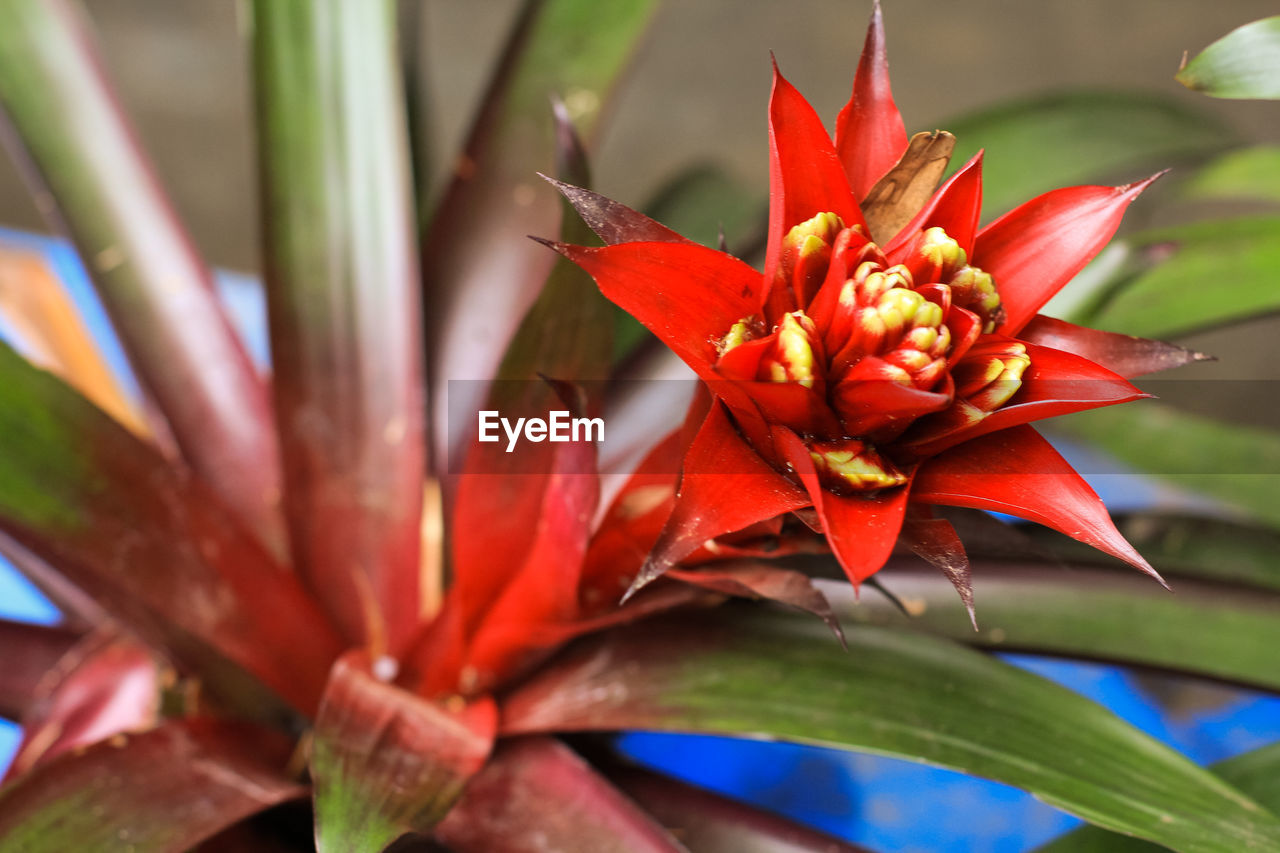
[697, 94]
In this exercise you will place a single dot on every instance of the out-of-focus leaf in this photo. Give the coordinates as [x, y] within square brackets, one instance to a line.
[1189, 546]
[482, 273]
[709, 823]
[1080, 137]
[760, 579]
[105, 685]
[343, 298]
[1237, 464]
[97, 184]
[704, 199]
[1179, 296]
[147, 541]
[1204, 629]
[30, 652]
[1257, 773]
[162, 791]
[772, 675]
[37, 307]
[537, 795]
[386, 762]
[1248, 173]
[1245, 63]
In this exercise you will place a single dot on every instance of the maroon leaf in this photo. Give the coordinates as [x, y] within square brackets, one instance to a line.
[537, 795]
[754, 579]
[161, 791]
[612, 221]
[1122, 354]
[105, 685]
[936, 541]
[30, 652]
[385, 761]
[709, 823]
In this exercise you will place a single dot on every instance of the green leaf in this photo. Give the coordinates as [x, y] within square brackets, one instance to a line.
[898, 693]
[1237, 464]
[1256, 773]
[1247, 173]
[343, 299]
[147, 542]
[158, 292]
[1245, 63]
[481, 271]
[1185, 293]
[1036, 145]
[162, 791]
[1203, 629]
[386, 761]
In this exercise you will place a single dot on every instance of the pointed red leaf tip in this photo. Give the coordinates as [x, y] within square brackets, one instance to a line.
[805, 175]
[870, 135]
[1034, 250]
[1122, 354]
[612, 221]
[1016, 471]
[688, 295]
[726, 486]
[955, 208]
[861, 529]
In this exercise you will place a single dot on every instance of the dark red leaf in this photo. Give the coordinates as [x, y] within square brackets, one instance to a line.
[860, 528]
[385, 761]
[756, 579]
[1122, 354]
[105, 685]
[725, 487]
[30, 653]
[163, 791]
[936, 541]
[612, 221]
[1035, 249]
[537, 795]
[870, 134]
[805, 175]
[1015, 471]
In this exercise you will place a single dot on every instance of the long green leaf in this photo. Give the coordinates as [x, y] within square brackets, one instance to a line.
[1036, 145]
[1256, 773]
[1245, 63]
[99, 186]
[1248, 173]
[896, 693]
[1219, 272]
[386, 761]
[1204, 629]
[147, 542]
[343, 296]
[162, 791]
[482, 273]
[1237, 464]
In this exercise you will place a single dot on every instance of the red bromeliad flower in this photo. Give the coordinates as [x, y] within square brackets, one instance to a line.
[891, 356]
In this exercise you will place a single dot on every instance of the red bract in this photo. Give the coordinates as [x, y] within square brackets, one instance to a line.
[874, 368]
